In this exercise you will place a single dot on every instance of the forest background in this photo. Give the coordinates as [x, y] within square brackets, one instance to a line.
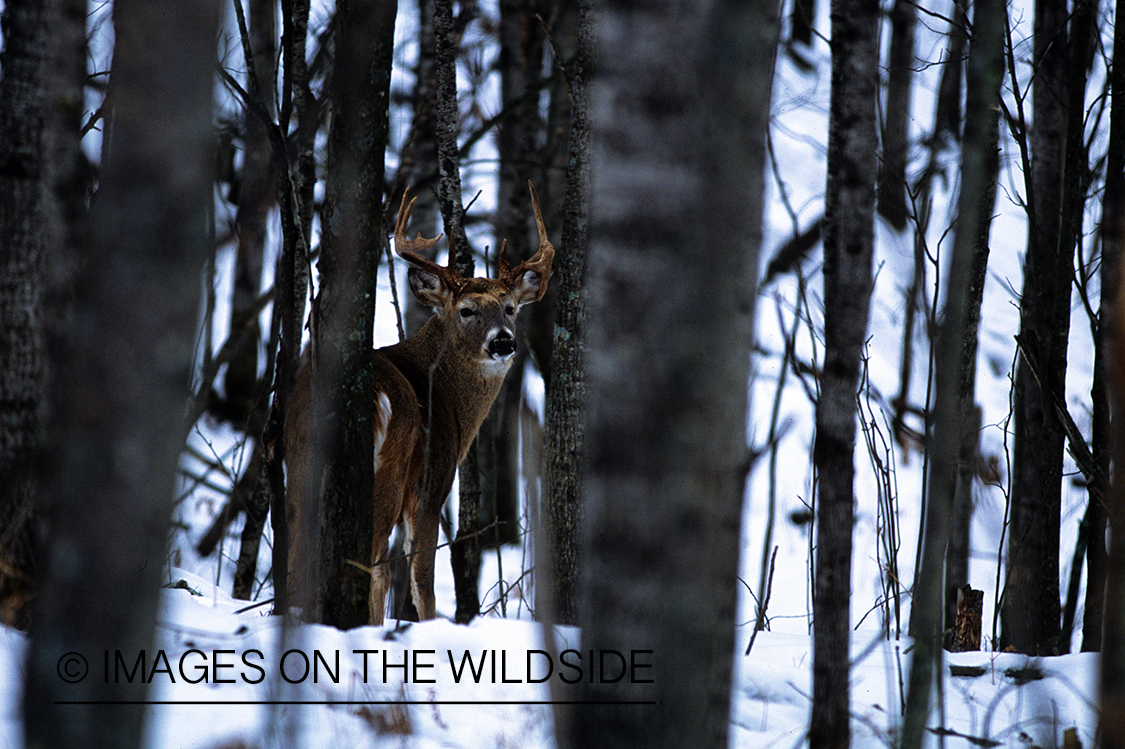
[984, 429]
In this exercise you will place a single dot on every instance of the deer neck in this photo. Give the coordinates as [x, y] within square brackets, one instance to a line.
[455, 389]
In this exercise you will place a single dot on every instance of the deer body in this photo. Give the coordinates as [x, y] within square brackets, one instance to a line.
[432, 392]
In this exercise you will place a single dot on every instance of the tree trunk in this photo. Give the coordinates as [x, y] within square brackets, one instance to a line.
[947, 112]
[679, 157]
[1101, 438]
[957, 342]
[418, 169]
[42, 198]
[1030, 614]
[345, 306]
[801, 21]
[518, 135]
[465, 552]
[559, 588]
[849, 226]
[897, 116]
[1111, 320]
[247, 403]
[979, 174]
[124, 365]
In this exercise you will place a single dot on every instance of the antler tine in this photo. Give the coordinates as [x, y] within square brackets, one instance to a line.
[543, 242]
[409, 248]
[541, 261]
[502, 268]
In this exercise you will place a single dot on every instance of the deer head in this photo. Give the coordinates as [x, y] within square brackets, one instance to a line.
[477, 314]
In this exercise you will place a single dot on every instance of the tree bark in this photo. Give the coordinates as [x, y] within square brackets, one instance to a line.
[465, 551]
[679, 154]
[123, 370]
[977, 200]
[897, 116]
[1111, 320]
[849, 226]
[566, 398]
[518, 135]
[345, 306]
[1030, 613]
[42, 199]
[1102, 435]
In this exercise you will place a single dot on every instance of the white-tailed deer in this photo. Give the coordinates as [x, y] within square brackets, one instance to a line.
[432, 391]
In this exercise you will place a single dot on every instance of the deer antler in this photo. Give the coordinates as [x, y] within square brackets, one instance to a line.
[409, 249]
[540, 262]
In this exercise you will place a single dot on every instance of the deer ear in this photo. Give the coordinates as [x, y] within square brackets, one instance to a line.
[429, 288]
[530, 286]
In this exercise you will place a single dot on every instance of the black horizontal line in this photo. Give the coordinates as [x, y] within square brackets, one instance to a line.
[355, 702]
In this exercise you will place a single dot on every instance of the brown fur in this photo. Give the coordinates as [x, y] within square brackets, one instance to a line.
[440, 385]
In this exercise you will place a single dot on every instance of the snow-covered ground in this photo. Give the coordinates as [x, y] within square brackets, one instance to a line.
[361, 695]
[439, 684]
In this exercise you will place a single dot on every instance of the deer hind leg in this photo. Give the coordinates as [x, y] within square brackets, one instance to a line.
[424, 549]
[380, 580]
[388, 509]
[387, 500]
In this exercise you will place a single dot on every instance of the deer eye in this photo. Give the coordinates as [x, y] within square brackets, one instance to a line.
[467, 312]
[510, 310]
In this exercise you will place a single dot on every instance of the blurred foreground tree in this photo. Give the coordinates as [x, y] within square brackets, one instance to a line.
[679, 152]
[123, 367]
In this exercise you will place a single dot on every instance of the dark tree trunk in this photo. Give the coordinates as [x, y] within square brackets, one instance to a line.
[41, 201]
[947, 114]
[897, 116]
[418, 170]
[849, 226]
[518, 137]
[953, 412]
[1111, 320]
[465, 552]
[679, 154]
[124, 363]
[980, 169]
[246, 402]
[344, 308]
[1101, 438]
[565, 439]
[295, 198]
[418, 167]
[257, 194]
[1030, 614]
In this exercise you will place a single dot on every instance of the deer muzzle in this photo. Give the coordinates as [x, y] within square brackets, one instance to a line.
[501, 344]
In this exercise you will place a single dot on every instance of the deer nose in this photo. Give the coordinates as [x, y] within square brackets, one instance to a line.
[502, 345]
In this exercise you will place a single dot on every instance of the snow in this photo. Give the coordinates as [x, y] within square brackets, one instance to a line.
[438, 684]
[1009, 699]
